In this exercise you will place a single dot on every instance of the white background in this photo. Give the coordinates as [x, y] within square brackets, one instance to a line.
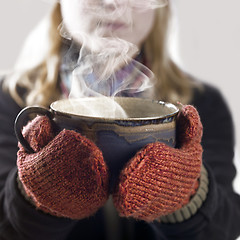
[208, 41]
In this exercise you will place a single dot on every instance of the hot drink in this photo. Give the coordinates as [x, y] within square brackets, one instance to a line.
[119, 128]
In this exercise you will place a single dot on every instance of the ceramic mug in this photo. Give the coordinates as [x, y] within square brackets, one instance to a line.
[119, 128]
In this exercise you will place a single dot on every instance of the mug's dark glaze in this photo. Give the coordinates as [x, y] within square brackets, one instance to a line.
[118, 138]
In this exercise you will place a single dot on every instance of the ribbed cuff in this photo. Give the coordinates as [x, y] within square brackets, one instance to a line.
[194, 204]
[21, 218]
[24, 194]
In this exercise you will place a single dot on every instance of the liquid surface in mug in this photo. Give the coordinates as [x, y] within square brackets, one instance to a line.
[115, 108]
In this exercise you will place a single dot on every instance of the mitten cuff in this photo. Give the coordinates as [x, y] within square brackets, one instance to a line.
[194, 204]
[23, 192]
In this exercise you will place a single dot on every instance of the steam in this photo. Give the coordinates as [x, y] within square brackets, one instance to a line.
[107, 65]
[149, 4]
[95, 75]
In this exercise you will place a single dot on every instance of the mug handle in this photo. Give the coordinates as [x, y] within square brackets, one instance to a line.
[20, 121]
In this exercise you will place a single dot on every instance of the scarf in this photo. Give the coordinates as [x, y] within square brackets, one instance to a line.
[134, 79]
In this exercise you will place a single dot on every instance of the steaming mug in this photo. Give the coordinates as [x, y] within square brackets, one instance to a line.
[119, 128]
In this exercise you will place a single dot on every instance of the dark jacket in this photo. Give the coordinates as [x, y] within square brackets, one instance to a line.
[217, 219]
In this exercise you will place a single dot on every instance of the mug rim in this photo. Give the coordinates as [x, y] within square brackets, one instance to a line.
[111, 119]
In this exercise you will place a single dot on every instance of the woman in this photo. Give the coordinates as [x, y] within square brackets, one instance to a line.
[62, 190]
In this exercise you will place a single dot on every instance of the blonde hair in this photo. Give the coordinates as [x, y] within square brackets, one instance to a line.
[172, 84]
[37, 69]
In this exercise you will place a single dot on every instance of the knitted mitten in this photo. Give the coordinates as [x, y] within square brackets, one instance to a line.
[66, 176]
[159, 179]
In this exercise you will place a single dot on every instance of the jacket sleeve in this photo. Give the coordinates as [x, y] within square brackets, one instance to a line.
[18, 218]
[219, 216]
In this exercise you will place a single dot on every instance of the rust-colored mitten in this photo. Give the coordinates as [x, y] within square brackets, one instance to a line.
[67, 176]
[159, 179]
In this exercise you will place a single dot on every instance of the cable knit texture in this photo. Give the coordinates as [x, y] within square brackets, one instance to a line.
[159, 179]
[67, 176]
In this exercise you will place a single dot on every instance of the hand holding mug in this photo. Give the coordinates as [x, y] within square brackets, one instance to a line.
[66, 175]
[160, 179]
